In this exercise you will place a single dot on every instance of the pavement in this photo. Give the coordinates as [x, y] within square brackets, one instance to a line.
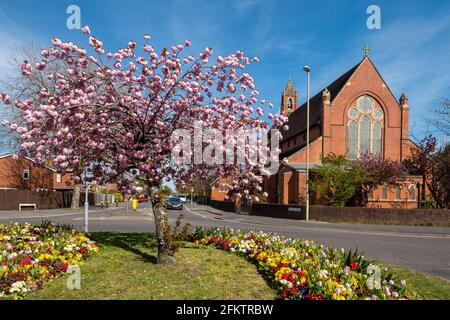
[420, 248]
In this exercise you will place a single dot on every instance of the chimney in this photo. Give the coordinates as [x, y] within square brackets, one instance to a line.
[404, 138]
[326, 122]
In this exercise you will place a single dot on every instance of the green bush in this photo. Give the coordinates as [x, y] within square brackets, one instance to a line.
[118, 197]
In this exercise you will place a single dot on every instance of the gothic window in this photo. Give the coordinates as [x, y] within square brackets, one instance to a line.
[398, 193]
[411, 192]
[365, 128]
[377, 132]
[384, 193]
[353, 140]
[364, 135]
[290, 103]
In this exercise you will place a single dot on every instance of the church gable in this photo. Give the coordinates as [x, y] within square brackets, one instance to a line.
[366, 80]
[376, 128]
[346, 127]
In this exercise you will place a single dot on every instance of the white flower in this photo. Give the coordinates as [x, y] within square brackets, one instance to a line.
[323, 274]
[19, 286]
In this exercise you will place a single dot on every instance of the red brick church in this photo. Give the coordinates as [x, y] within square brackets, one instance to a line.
[355, 114]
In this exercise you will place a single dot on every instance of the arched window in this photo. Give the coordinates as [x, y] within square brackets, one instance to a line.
[411, 192]
[398, 193]
[384, 193]
[377, 132]
[364, 135]
[353, 140]
[290, 103]
[365, 128]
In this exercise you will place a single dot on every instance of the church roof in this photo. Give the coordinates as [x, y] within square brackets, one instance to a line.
[297, 119]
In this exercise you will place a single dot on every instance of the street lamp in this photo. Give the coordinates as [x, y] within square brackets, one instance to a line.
[307, 69]
[419, 200]
[192, 190]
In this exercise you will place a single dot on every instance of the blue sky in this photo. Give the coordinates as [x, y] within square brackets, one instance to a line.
[411, 50]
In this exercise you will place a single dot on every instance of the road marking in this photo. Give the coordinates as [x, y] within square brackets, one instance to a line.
[117, 218]
[19, 216]
[366, 232]
[196, 213]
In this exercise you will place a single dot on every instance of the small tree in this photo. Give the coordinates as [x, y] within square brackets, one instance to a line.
[117, 112]
[433, 164]
[442, 119]
[377, 172]
[337, 179]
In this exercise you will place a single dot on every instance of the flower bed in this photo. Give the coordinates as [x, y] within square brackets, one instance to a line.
[301, 269]
[31, 255]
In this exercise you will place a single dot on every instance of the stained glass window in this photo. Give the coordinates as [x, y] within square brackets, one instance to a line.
[377, 133]
[365, 128]
[364, 135]
[365, 104]
[353, 140]
[411, 192]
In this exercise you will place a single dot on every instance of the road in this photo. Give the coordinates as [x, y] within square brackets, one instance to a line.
[424, 249]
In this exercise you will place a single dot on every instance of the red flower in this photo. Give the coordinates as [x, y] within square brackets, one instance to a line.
[26, 261]
[285, 276]
[226, 244]
[315, 297]
[63, 267]
[354, 265]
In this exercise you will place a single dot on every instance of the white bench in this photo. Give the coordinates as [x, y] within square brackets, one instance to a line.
[27, 205]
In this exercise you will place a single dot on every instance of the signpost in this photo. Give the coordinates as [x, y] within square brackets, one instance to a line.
[86, 199]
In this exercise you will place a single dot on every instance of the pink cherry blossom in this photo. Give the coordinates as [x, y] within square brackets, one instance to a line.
[116, 112]
[86, 30]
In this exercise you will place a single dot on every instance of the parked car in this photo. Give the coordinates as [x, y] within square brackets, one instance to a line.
[182, 197]
[174, 203]
[143, 198]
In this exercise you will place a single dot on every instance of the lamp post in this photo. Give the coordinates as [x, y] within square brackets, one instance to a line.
[192, 201]
[307, 69]
[419, 185]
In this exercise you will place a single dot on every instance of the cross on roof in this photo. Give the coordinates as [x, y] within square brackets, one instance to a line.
[366, 50]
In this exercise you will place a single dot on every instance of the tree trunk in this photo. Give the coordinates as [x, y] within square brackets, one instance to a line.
[75, 197]
[165, 246]
[237, 205]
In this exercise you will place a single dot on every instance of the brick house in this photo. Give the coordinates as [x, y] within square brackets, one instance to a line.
[23, 174]
[355, 114]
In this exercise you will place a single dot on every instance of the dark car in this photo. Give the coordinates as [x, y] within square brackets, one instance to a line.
[174, 203]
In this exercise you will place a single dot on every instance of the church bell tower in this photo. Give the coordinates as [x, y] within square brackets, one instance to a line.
[289, 99]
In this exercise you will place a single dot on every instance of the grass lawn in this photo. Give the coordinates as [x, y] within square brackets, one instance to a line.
[420, 286]
[125, 268]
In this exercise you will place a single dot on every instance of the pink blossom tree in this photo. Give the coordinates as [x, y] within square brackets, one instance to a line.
[377, 171]
[115, 112]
